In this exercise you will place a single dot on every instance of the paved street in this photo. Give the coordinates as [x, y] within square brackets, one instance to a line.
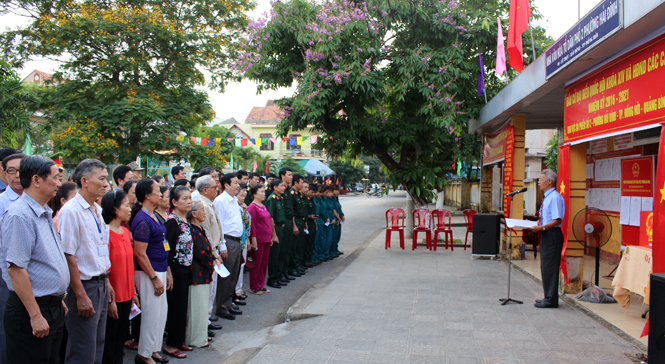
[365, 216]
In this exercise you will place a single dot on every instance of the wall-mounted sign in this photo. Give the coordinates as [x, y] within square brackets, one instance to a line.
[600, 23]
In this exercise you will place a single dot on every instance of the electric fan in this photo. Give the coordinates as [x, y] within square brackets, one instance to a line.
[593, 228]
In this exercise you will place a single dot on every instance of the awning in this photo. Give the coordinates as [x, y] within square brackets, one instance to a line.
[316, 168]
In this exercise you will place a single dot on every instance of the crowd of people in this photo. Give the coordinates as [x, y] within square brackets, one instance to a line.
[90, 271]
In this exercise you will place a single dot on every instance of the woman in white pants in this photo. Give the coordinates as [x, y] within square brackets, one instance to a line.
[151, 252]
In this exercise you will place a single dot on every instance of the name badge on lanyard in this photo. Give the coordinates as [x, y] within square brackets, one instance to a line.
[167, 247]
[102, 249]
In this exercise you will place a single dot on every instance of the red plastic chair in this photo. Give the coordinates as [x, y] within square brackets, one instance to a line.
[393, 224]
[439, 219]
[422, 225]
[468, 218]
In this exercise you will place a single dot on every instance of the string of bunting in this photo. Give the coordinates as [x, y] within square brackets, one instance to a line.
[244, 142]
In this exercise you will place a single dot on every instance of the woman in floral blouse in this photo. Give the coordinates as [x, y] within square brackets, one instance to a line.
[179, 238]
[202, 271]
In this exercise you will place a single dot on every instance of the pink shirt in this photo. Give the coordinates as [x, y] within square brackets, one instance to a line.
[261, 226]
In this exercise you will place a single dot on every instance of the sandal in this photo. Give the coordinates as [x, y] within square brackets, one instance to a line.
[257, 292]
[176, 354]
[133, 345]
[265, 290]
[242, 295]
[186, 348]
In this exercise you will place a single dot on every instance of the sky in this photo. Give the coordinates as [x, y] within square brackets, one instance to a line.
[239, 98]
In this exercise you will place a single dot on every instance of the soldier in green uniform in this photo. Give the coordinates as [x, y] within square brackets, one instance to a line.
[300, 218]
[311, 226]
[337, 227]
[253, 179]
[321, 248]
[291, 230]
[276, 209]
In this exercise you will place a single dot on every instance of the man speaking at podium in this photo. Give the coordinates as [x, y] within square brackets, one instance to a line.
[552, 210]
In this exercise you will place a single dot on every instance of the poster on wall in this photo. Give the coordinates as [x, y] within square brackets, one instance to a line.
[637, 190]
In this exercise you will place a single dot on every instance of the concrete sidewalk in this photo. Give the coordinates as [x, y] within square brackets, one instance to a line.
[394, 306]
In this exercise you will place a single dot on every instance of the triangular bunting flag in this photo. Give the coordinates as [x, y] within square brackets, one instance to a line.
[273, 140]
[285, 139]
[238, 143]
[305, 138]
[244, 142]
[259, 142]
[229, 139]
[211, 142]
[292, 140]
[192, 140]
[180, 138]
[313, 139]
[252, 140]
[299, 140]
[204, 141]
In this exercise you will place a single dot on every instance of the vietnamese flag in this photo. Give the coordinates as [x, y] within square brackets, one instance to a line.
[267, 165]
[520, 12]
[659, 210]
[564, 190]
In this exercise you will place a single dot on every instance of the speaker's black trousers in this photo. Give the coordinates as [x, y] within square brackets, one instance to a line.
[551, 244]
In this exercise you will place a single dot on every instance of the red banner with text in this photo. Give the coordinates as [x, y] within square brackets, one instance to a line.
[637, 176]
[508, 168]
[494, 145]
[659, 211]
[619, 96]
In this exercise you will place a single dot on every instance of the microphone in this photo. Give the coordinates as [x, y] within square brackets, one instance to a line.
[516, 192]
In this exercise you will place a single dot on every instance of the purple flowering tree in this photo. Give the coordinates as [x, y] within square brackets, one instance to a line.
[392, 78]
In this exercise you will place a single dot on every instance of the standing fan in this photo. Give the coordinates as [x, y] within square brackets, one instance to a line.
[594, 228]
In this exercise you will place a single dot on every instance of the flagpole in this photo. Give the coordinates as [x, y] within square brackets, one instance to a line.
[533, 45]
[485, 93]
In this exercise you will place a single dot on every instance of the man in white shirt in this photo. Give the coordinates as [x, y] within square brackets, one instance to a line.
[11, 165]
[230, 217]
[85, 241]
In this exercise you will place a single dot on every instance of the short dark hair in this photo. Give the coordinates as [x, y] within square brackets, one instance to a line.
[240, 174]
[297, 178]
[282, 172]
[120, 172]
[275, 182]
[34, 165]
[176, 169]
[181, 182]
[157, 177]
[11, 157]
[163, 189]
[255, 189]
[271, 175]
[128, 185]
[226, 179]
[262, 180]
[111, 201]
[252, 175]
[176, 192]
[243, 186]
[205, 170]
[85, 167]
[7, 151]
[63, 192]
[312, 187]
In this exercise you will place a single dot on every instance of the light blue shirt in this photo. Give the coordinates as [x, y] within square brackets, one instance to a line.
[553, 207]
[7, 198]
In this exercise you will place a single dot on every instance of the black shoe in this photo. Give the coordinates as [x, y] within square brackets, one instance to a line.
[545, 305]
[214, 327]
[295, 274]
[239, 302]
[235, 312]
[226, 316]
[234, 306]
[541, 301]
[160, 360]
[284, 281]
[275, 285]
[139, 360]
[213, 318]
[289, 278]
[211, 334]
[302, 267]
[235, 296]
[309, 265]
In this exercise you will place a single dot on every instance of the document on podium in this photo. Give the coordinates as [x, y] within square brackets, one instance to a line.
[520, 224]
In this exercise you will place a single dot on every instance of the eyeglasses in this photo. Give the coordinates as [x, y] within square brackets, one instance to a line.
[11, 170]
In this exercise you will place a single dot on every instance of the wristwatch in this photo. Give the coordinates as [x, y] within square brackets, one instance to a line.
[544, 228]
[154, 278]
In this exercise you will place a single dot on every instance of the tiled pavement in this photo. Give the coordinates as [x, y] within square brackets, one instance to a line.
[393, 306]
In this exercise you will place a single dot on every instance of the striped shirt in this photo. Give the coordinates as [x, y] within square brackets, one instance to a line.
[29, 241]
[7, 198]
[85, 236]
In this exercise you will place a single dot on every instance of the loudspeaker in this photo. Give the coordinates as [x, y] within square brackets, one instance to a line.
[485, 234]
[656, 349]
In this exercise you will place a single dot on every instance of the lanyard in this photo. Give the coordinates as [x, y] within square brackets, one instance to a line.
[96, 223]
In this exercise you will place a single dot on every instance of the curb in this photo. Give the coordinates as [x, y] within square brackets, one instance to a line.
[572, 302]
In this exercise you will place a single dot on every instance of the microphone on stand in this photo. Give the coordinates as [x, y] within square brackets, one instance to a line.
[516, 192]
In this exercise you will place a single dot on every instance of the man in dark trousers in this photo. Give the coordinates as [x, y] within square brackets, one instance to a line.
[552, 211]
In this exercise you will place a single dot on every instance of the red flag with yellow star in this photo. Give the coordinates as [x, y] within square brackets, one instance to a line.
[564, 189]
[659, 211]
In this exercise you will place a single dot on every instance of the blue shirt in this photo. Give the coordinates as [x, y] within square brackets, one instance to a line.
[3, 186]
[553, 207]
[7, 198]
[29, 241]
[146, 230]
